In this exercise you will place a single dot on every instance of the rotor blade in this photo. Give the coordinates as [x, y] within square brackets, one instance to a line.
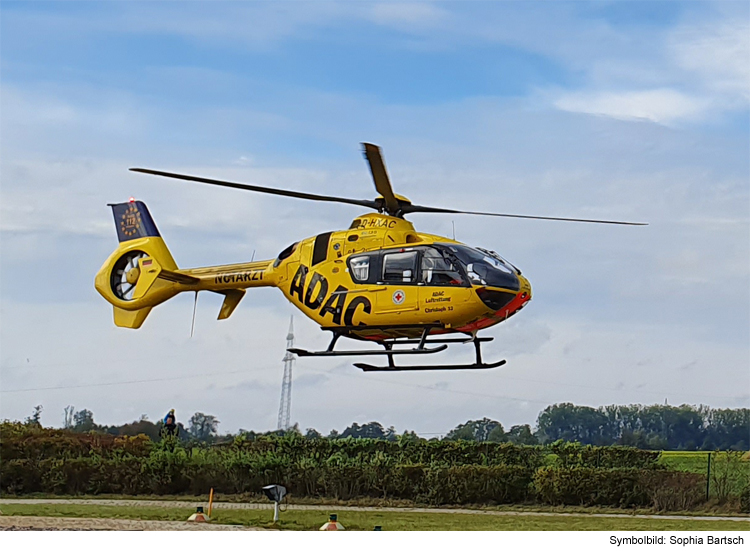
[380, 176]
[266, 190]
[426, 209]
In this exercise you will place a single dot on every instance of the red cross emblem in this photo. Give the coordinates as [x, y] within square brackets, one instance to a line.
[398, 297]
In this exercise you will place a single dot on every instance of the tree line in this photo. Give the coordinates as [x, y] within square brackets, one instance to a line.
[654, 427]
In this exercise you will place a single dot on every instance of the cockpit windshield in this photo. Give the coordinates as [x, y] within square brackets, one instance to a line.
[485, 268]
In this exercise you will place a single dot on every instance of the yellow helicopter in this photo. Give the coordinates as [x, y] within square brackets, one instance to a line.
[379, 280]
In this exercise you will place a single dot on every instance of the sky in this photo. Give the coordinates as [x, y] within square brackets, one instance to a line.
[634, 111]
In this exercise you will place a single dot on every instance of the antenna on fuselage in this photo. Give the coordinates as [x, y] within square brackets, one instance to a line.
[454, 229]
[195, 307]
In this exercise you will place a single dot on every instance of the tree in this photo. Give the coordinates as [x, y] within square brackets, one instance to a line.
[497, 435]
[35, 418]
[728, 429]
[312, 434]
[408, 436]
[573, 423]
[476, 430]
[203, 426]
[521, 434]
[68, 417]
[372, 430]
[83, 421]
[141, 427]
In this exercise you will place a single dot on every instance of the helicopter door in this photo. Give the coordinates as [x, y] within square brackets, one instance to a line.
[442, 285]
[399, 276]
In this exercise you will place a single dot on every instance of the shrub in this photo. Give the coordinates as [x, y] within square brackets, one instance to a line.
[620, 487]
[745, 500]
[476, 484]
[670, 491]
[575, 454]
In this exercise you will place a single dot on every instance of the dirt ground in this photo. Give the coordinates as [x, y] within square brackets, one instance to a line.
[48, 523]
[269, 506]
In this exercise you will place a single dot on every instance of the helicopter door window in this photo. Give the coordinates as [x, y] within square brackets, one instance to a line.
[437, 269]
[400, 267]
[360, 268]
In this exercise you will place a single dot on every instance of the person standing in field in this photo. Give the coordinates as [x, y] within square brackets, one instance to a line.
[170, 424]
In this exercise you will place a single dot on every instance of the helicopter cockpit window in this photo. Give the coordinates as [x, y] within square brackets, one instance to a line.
[438, 269]
[484, 268]
[360, 268]
[400, 267]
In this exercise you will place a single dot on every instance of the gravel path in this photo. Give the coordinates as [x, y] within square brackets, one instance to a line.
[333, 508]
[16, 523]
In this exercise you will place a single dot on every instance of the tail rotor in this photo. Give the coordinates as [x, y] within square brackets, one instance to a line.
[125, 274]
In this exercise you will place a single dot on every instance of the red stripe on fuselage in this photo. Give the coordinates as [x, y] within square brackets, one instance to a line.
[506, 312]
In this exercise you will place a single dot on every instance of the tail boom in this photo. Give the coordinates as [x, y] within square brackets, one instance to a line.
[141, 272]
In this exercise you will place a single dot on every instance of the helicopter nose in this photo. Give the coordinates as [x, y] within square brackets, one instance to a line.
[524, 288]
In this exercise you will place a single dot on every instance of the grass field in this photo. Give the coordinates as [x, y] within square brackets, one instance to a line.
[735, 471]
[367, 520]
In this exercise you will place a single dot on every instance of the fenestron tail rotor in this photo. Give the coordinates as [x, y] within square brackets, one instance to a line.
[388, 202]
[125, 274]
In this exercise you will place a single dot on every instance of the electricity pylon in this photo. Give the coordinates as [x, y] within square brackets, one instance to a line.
[285, 407]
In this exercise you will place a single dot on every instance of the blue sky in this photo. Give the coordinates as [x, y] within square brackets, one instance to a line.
[612, 110]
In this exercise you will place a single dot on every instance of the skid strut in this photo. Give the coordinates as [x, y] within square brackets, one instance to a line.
[420, 349]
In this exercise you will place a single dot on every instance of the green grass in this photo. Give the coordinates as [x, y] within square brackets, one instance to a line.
[737, 472]
[358, 520]
[695, 460]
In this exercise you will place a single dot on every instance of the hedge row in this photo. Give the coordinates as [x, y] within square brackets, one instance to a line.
[181, 472]
[619, 487]
[21, 442]
[432, 472]
[574, 454]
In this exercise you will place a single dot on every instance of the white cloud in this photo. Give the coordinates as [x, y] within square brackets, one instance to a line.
[717, 54]
[664, 106]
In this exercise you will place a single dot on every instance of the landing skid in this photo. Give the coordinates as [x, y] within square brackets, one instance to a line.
[373, 368]
[427, 350]
[421, 349]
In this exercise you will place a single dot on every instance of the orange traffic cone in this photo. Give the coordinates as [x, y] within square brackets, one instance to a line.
[332, 524]
[198, 516]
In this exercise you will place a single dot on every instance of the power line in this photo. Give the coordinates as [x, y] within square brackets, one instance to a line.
[119, 382]
[356, 376]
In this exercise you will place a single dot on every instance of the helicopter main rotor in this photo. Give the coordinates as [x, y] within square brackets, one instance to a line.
[388, 202]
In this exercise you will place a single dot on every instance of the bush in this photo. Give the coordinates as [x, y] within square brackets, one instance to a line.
[745, 500]
[457, 485]
[670, 491]
[619, 487]
[575, 454]
[18, 477]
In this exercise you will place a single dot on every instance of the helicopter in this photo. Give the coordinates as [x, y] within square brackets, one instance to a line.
[379, 280]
